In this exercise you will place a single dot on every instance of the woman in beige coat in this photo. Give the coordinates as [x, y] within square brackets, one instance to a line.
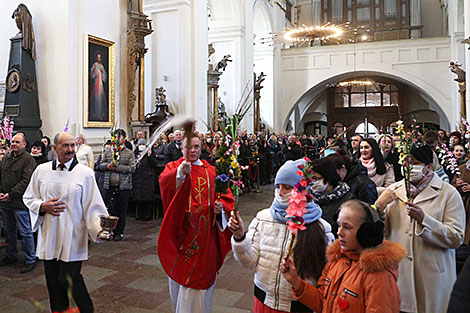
[430, 228]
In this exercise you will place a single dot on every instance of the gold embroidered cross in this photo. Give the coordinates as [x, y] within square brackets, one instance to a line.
[200, 189]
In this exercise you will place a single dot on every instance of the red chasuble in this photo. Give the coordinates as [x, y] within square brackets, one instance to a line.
[190, 248]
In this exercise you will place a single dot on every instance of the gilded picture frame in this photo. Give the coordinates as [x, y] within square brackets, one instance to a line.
[98, 82]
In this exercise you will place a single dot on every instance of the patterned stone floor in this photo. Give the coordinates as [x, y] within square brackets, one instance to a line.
[126, 276]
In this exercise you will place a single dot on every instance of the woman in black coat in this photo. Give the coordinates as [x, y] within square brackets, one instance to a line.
[329, 192]
[143, 182]
[355, 175]
[38, 152]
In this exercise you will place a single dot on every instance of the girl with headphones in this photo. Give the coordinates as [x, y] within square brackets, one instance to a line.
[361, 271]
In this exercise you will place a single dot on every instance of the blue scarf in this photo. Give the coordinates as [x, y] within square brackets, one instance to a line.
[278, 212]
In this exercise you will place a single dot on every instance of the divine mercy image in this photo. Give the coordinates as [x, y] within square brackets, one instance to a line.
[98, 86]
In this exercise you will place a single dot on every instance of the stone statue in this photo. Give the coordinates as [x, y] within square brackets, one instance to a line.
[456, 69]
[259, 80]
[211, 51]
[221, 114]
[466, 41]
[223, 63]
[24, 22]
[21, 96]
[160, 96]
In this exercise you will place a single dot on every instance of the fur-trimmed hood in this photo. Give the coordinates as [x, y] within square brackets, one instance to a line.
[386, 256]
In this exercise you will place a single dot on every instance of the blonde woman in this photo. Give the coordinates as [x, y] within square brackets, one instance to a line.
[84, 152]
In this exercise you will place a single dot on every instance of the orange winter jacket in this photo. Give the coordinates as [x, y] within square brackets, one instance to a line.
[356, 282]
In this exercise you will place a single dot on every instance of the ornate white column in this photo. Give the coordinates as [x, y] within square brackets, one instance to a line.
[467, 51]
[415, 18]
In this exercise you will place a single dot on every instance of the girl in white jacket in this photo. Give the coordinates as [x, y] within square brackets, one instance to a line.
[266, 242]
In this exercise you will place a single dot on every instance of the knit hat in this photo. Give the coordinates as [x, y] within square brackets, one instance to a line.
[422, 153]
[287, 174]
[141, 141]
[456, 134]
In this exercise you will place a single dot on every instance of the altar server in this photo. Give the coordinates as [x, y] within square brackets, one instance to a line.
[65, 204]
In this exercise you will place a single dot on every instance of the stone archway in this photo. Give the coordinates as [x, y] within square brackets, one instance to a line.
[308, 102]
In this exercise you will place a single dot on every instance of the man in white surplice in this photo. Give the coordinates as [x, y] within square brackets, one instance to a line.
[65, 204]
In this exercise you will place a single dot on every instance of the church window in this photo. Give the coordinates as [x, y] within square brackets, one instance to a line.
[375, 95]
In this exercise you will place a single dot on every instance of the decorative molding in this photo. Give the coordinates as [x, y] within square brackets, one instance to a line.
[439, 42]
[226, 33]
[158, 5]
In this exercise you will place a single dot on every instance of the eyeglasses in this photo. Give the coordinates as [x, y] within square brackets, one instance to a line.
[419, 144]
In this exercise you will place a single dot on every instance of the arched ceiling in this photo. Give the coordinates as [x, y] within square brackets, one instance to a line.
[309, 97]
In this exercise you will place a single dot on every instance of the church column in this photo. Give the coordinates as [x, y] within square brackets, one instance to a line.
[467, 51]
[199, 59]
[415, 12]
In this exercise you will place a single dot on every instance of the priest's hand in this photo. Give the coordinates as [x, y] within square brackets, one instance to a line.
[289, 272]
[218, 206]
[235, 223]
[185, 168]
[53, 206]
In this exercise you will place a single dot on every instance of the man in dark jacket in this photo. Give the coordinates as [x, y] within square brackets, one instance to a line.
[354, 174]
[355, 146]
[173, 150]
[143, 182]
[294, 151]
[459, 301]
[16, 170]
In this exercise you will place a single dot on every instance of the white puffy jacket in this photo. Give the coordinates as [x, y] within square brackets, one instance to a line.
[263, 248]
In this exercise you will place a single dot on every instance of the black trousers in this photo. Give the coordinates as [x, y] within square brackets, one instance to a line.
[117, 202]
[57, 285]
[143, 209]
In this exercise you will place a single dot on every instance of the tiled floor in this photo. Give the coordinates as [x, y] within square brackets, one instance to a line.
[127, 276]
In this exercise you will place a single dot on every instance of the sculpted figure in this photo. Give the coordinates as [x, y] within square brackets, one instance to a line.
[223, 63]
[24, 22]
[456, 69]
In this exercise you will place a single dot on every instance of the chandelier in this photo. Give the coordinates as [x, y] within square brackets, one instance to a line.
[352, 83]
[313, 33]
[327, 33]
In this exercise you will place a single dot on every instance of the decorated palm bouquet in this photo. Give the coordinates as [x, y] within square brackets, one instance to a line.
[114, 145]
[228, 170]
[6, 130]
[301, 194]
[407, 139]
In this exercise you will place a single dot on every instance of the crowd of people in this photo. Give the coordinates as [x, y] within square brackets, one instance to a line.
[368, 245]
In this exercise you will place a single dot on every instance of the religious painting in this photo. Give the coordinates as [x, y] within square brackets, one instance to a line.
[99, 63]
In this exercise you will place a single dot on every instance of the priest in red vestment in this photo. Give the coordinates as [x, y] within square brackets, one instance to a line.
[193, 239]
